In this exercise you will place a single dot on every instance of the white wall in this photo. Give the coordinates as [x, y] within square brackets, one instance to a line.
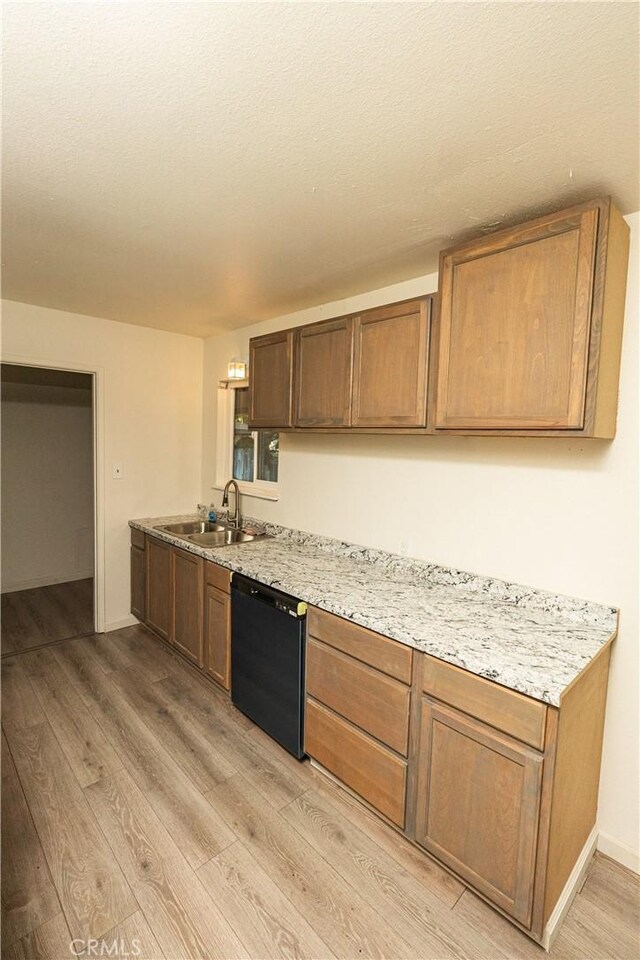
[152, 401]
[47, 486]
[557, 514]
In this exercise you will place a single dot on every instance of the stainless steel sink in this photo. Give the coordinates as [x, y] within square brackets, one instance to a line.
[191, 526]
[224, 537]
[207, 534]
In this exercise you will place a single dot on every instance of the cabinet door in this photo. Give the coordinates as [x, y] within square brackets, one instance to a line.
[323, 374]
[187, 578]
[514, 327]
[478, 804]
[159, 586]
[270, 380]
[138, 584]
[390, 366]
[217, 620]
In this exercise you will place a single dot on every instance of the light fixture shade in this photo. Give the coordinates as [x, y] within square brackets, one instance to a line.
[237, 370]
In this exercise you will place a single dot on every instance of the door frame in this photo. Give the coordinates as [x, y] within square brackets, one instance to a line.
[97, 374]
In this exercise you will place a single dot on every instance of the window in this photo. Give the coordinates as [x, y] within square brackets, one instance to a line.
[249, 456]
[255, 452]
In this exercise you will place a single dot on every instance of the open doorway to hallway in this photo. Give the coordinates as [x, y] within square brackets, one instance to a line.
[47, 517]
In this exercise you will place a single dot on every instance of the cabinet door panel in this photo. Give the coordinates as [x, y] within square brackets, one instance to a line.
[323, 374]
[187, 604]
[478, 806]
[514, 327]
[217, 660]
[390, 366]
[270, 376]
[138, 584]
[159, 586]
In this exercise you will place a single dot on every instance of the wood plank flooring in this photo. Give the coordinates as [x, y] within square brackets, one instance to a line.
[31, 618]
[145, 813]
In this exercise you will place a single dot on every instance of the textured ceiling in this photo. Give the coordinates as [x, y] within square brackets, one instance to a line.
[200, 166]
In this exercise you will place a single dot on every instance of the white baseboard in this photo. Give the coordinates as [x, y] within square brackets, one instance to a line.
[129, 621]
[14, 586]
[620, 852]
[571, 887]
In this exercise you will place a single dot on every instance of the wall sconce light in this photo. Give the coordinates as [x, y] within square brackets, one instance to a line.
[237, 370]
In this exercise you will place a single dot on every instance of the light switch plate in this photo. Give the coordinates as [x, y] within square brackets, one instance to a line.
[118, 471]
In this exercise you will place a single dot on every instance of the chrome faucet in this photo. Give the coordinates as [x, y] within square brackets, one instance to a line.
[234, 521]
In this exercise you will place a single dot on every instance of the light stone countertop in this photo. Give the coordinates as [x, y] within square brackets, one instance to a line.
[529, 640]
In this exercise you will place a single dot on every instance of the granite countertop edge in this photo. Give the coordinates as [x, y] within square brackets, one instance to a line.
[529, 640]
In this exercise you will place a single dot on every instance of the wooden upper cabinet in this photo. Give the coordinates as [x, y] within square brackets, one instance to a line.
[323, 373]
[530, 326]
[270, 380]
[390, 366]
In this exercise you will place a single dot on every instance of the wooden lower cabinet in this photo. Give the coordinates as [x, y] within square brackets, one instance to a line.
[357, 710]
[499, 787]
[138, 583]
[217, 627]
[185, 600]
[187, 594]
[159, 604]
[478, 802]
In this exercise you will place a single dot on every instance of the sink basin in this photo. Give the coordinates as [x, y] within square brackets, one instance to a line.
[192, 526]
[224, 537]
[207, 534]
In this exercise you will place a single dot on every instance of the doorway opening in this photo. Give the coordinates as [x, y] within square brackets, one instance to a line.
[48, 510]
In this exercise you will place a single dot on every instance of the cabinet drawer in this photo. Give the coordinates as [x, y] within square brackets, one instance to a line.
[217, 576]
[388, 656]
[368, 768]
[371, 700]
[519, 716]
[137, 538]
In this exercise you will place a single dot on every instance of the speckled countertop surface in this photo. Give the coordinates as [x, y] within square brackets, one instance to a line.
[528, 640]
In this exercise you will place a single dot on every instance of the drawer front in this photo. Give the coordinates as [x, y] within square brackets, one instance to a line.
[137, 538]
[371, 700]
[388, 656]
[217, 576]
[373, 772]
[519, 716]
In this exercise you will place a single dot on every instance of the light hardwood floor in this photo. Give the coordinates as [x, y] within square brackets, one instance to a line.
[141, 809]
[31, 618]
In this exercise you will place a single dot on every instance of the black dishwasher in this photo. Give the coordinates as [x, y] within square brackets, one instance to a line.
[267, 660]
